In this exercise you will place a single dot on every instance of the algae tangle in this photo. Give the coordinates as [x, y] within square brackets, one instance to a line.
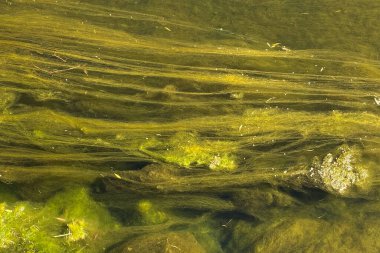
[189, 126]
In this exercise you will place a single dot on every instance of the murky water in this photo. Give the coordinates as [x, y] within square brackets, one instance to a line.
[189, 126]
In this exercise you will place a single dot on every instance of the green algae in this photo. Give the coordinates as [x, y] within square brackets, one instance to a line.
[77, 230]
[263, 201]
[150, 214]
[70, 221]
[22, 230]
[324, 227]
[7, 99]
[301, 234]
[345, 175]
[270, 116]
[76, 204]
[185, 149]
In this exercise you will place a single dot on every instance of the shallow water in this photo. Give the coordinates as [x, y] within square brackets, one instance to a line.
[189, 126]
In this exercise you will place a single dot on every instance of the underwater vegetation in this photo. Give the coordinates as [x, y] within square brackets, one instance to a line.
[312, 230]
[343, 174]
[149, 214]
[69, 222]
[189, 126]
[185, 150]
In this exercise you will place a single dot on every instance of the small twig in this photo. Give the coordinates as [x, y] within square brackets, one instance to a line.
[225, 225]
[59, 57]
[61, 219]
[377, 100]
[268, 100]
[56, 71]
[64, 70]
[63, 235]
[43, 70]
[171, 245]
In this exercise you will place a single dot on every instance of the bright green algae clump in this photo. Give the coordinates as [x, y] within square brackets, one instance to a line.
[23, 228]
[68, 222]
[149, 214]
[186, 149]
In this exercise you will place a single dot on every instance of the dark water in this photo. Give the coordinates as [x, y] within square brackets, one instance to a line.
[189, 126]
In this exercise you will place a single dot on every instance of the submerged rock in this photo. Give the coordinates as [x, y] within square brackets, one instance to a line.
[172, 242]
[260, 201]
[342, 174]
[155, 173]
[291, 236]
[317, 235]
[332, 225]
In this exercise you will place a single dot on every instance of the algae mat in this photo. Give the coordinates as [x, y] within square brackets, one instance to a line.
[189, 126]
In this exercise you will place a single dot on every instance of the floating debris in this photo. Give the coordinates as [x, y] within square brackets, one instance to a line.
[377, 100]
[278, 46]
[117, 175]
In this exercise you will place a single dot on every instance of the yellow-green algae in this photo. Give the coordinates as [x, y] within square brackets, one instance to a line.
[345, 175]
[69, 222]
[185, 149]
[242, 93]
[149, 213]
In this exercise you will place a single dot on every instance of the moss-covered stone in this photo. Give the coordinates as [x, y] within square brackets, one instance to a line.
[155, 173]
[76, 204]
[307, 234]
[260, 201]
[318, 235]
[343, 174]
